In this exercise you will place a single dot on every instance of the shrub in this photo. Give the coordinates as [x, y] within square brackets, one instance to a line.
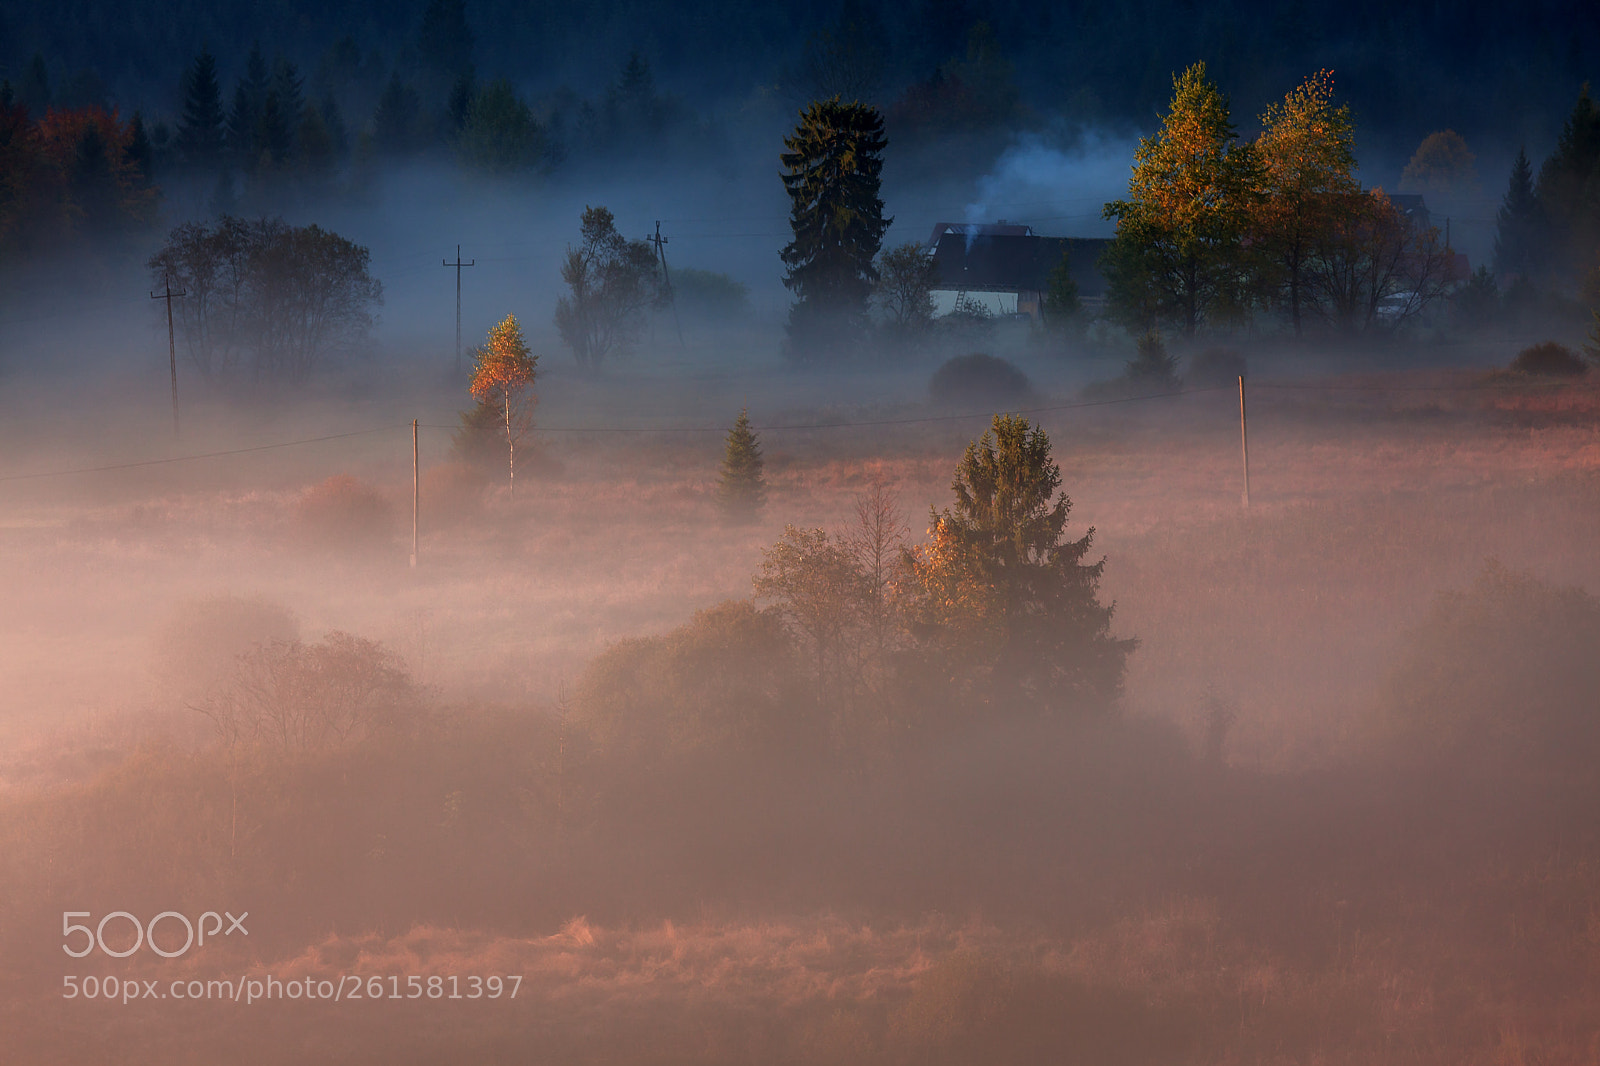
[200, 642]
[1503, 672]
[1216, 366]
[296, 698]
[1549, 360]
[343, 512]
[725, 682]
[451, 492]
[979, 379]
[708, 294]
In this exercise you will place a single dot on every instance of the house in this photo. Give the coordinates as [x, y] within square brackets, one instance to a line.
[1457, 268]
[1006, 268]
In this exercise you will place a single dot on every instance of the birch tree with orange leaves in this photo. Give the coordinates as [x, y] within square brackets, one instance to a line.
[1307, 158]
[502, 376]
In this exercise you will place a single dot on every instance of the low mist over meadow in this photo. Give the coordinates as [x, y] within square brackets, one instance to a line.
[661, 535]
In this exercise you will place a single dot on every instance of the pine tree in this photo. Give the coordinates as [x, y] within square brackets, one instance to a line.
[200, 130]
[742, 490]
[1516, 239]
[834, 163]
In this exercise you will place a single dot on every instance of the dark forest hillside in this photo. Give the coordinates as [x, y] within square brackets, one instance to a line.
[1407, 68]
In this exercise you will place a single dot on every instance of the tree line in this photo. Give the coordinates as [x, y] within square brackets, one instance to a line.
[70, 174]
[1490, 65]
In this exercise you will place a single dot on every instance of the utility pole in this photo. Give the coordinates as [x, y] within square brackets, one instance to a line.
[458, 264]
[415, 493]
[172, 349]
[1244, 444]
[666, 279]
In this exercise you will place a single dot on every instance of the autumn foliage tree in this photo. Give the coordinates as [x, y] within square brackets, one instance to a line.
[1177, 255]
[822, 593]
[69, 173]
[502, 377]
[1378, 268]
[1306, 153]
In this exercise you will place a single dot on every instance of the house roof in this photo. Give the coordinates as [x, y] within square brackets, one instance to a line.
[1015, 262]
[978, 229]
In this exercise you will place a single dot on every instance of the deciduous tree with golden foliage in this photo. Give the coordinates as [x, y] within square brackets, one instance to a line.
[1307, 157]
[1177, 256]
[502, 375]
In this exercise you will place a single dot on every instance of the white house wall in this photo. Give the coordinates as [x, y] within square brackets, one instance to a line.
[998, 303]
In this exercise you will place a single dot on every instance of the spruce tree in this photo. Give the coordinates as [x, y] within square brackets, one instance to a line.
[1566, 189]
[742, 491]
[1061, 302]
[274, 136]
[397, 122]
[1007, 604]
[1516, 239]
[249, 98]
[138, 153]
[834, 164]
[200, 130]
[288, 87]
[444, 51]
[33, 92]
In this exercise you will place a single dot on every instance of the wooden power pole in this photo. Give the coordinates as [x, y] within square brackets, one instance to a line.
[666, 279]
[172, 349]
[458, 264]
[415, 492]
[1244, 443]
